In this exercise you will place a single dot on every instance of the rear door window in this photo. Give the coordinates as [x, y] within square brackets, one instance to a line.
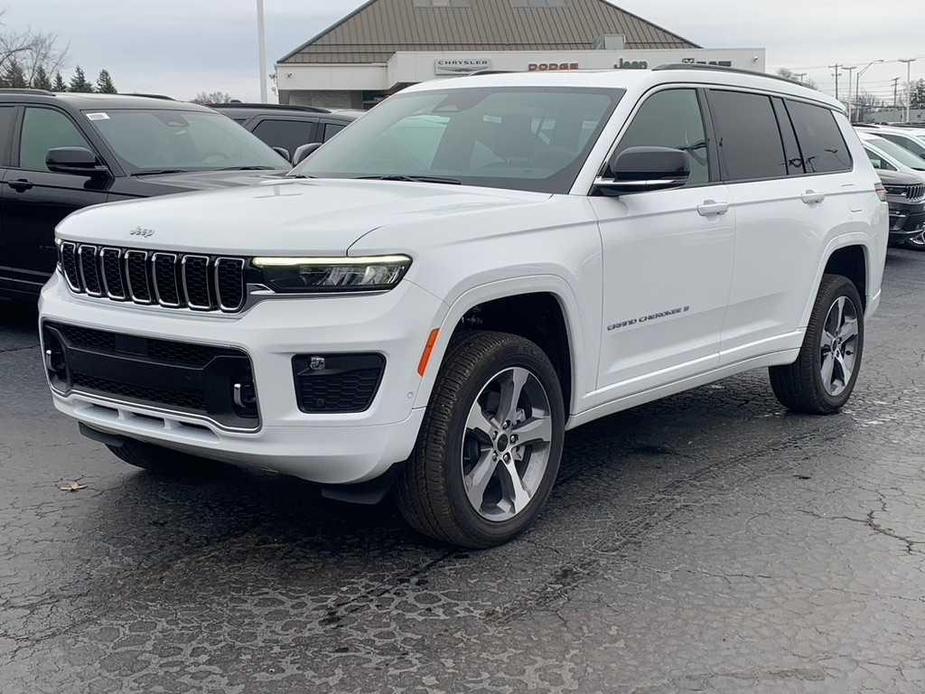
[331, 129]
[824, 149]
[7, 122]
[748, 135]
[288, 134]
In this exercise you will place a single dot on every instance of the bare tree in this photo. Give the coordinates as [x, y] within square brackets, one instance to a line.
[800, 78]
[216, 97]
[30, 50]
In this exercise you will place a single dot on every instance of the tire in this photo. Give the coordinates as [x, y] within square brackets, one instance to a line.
[161, 461]
[917, 243]
[803, 385]
[457, 458]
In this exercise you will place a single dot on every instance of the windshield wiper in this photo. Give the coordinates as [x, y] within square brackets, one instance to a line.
[412, 179]
[157, 172]
[246, 168]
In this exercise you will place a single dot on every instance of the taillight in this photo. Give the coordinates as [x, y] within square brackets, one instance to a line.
[880, 191]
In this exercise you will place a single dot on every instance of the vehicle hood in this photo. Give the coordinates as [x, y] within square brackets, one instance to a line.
[900, 178]
[209, 180]
[279, 217]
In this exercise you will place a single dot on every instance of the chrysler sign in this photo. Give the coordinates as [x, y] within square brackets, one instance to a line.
[460, 66]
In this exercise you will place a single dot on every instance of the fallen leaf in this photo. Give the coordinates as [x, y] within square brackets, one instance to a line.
[71, 486]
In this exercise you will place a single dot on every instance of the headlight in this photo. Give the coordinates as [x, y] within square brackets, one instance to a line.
[309, 275]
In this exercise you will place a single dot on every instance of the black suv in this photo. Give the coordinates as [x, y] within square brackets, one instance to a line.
[906, 196]
[61, 152]
[288, 127]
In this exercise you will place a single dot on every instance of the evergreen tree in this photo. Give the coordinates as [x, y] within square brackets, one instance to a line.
[79, 82]
[58, 85]
[40, 79]
[104, 83]
[13, 75]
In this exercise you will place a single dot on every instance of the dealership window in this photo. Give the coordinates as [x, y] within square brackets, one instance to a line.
[749, 139]
[824, 148]
[44, 129]
[672, 118]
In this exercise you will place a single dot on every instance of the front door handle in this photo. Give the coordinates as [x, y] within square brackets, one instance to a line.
[20, 184]
[711, 208]
[811, 197]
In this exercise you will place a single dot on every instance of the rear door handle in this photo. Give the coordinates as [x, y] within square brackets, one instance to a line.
[711, 208]
[811, 197]
[20, 184]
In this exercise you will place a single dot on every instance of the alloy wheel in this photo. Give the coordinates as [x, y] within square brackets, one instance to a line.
[839, 345]
[506, 444]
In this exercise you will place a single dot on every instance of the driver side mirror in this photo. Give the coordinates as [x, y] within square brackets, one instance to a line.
[303, 152]
[640, 169]
[78, 161]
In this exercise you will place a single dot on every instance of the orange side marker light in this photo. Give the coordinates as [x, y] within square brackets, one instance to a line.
[428, 351]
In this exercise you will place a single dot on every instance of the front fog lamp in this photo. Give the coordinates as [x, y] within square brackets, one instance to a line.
[307, 275]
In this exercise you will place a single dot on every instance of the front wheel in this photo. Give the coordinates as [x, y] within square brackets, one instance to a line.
[916, 243]
[822, 378]
[489, 447]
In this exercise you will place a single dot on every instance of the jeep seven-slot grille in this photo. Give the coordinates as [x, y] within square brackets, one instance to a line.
[172, 280]
[912, 193]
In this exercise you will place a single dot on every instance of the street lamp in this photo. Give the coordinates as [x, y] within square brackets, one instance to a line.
[857, 89]
[261, 52]
[908, 62]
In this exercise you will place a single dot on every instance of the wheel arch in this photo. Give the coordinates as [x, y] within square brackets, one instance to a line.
[849, 255]
[522, 292]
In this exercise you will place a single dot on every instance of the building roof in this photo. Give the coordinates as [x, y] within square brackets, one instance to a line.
[379, 28]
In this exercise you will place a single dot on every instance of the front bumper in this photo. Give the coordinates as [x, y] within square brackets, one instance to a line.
[906, 221]
[330, 448]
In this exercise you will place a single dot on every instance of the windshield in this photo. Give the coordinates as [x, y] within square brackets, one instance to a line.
[903, 156]
[910, 142]
[150, 141]
[525, 138]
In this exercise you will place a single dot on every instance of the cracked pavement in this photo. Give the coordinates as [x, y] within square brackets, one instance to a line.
[707, 542]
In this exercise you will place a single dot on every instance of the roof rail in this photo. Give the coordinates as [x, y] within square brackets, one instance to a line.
[26, 90]
[148, 96]
[285, 107]
[724, 68]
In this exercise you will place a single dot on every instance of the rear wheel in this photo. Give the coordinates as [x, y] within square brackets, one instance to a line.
[822, 378]
[489, 448]
[162, 461]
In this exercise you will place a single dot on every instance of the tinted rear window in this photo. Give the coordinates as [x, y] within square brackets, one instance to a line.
[749, 139]
[824, 148]
[288, 134]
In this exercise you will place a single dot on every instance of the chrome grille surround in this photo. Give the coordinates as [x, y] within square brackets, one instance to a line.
[165, 278]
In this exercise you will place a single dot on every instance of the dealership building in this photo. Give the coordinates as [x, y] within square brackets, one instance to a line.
[386, 45]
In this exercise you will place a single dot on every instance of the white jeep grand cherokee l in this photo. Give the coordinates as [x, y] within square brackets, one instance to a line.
[475, 266]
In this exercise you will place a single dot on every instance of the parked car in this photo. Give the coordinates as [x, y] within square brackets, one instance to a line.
[888, 156]
[62, 152]
[906, 196]
[484, 263]
[909, 139]
[288, 127]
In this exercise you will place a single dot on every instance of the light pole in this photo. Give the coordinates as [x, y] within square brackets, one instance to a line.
[908, 62]
[261, 52]
[857, 89]
[850, 70]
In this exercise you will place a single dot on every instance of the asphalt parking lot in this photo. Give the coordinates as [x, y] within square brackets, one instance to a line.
[709, 542]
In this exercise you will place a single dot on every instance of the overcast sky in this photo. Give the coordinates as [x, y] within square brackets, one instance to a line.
[180, 47]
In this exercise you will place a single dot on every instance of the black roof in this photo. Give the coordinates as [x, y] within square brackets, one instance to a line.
[234, 109]
[89, 101]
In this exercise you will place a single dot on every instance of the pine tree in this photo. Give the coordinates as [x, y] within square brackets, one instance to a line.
[104, 83]
[58, 85]
[79, 82]
[40, 79]
[13, 75]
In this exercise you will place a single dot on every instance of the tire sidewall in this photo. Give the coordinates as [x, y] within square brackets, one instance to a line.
[514, 353]
[841, 287]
